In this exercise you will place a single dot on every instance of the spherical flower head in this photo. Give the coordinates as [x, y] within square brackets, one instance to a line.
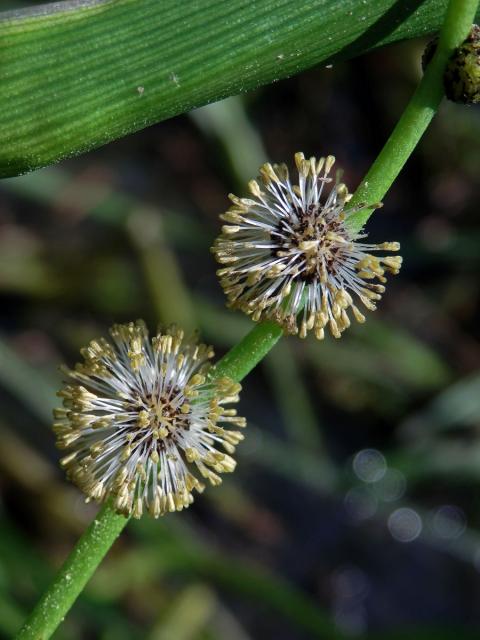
[143, 418]
[291, 256]
[461, 79]
[462, 75]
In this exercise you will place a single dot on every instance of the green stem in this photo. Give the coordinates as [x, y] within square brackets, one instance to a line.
[76, 571]
[418, 114]
[243, 357]
[102, 533]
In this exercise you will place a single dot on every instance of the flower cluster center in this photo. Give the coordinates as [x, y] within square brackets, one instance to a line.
[313, 241]
[163, 417]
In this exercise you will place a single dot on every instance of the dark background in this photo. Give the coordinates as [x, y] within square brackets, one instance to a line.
[354, 509]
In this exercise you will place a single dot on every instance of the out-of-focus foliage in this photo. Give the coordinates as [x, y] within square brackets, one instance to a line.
[353, 509]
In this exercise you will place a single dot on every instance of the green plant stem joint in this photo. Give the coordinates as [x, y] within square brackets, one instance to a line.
[461, 80]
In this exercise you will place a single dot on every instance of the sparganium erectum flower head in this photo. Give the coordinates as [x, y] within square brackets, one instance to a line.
[289, 253]
[143, 418]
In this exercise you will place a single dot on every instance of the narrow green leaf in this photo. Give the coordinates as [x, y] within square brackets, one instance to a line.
[76, 75]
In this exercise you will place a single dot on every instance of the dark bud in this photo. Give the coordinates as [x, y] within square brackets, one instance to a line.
[462, 75]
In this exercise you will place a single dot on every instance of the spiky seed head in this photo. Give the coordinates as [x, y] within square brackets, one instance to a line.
[144, 422]
[289, 254]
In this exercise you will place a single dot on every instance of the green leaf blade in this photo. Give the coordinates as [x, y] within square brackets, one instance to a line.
[75, 76]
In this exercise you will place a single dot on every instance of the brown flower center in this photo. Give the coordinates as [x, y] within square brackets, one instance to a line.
[314, 240]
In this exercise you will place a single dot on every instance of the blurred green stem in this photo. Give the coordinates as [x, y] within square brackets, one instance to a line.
[168, 293]
[243, 357]
[74, 574]
[419, 112]
[284, 376]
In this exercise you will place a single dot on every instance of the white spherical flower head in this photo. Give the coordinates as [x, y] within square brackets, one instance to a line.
[142, 419]
[290, 255]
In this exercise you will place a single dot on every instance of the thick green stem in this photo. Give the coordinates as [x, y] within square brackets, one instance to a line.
[245, 355]
[418, 114]
[76, 571]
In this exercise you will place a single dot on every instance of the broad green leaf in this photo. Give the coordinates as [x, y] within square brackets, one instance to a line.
[76, 75]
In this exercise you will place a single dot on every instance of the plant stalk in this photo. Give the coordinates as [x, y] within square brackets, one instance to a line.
[417, 116]
[74, 574]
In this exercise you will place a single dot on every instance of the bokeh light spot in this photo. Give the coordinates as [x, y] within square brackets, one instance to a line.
[449, 522]
[369, 465]
[404, 524]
